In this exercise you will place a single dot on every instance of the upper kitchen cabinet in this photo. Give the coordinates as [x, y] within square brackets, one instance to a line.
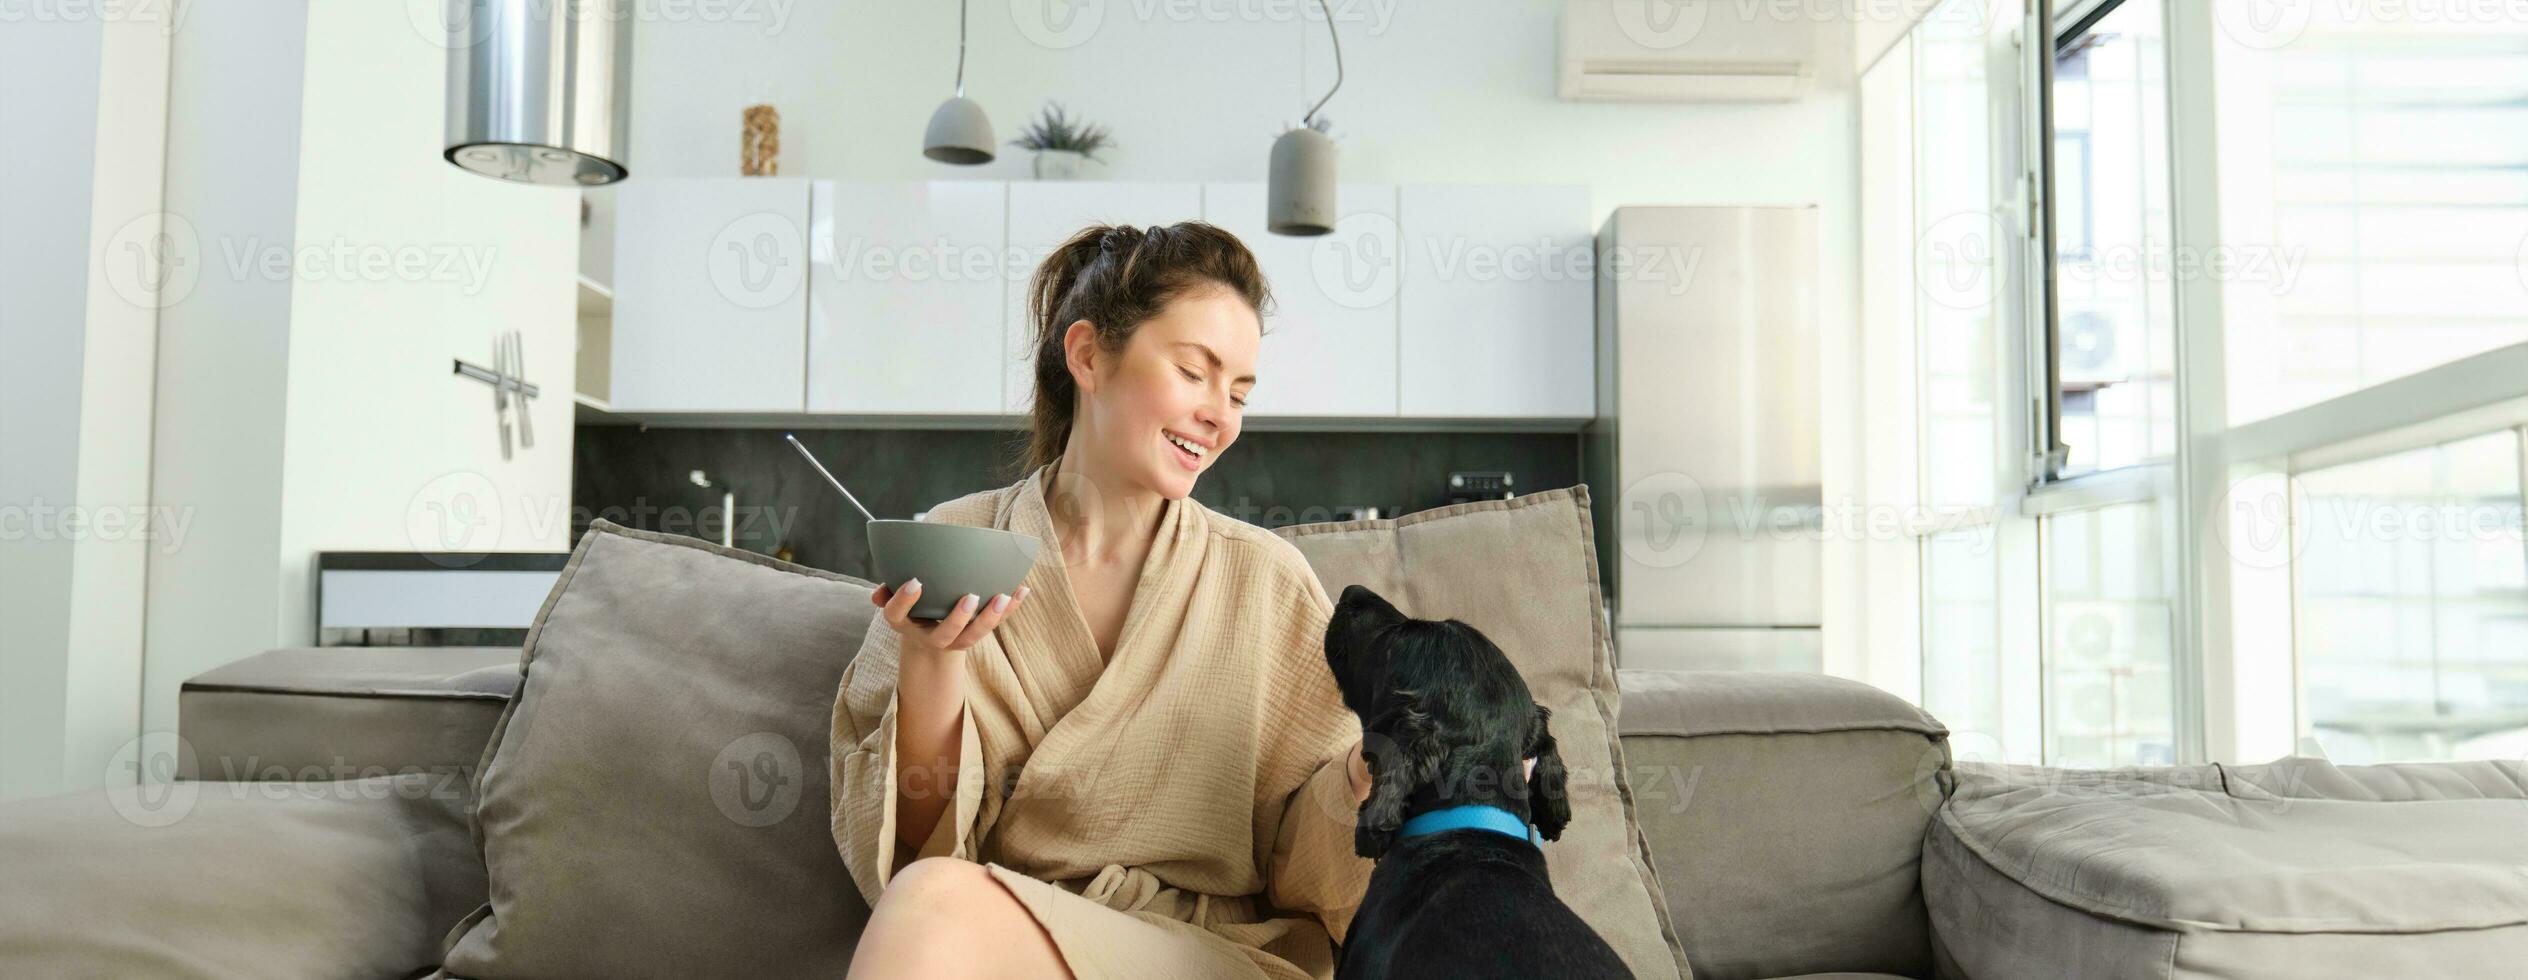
[1044, 214]
[1496, 317]
[1329, 348]
[710, 295]
[905, 306]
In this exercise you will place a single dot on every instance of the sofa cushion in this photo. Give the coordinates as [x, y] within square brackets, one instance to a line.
[1780, 798]
[653, 802]
[345, 712]
[356, 878]
[2294, 869]
[1525, 572]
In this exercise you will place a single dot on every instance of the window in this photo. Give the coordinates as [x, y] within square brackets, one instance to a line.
[2109, 682]
[2089, 582]
[2112, 336]
[2412, 585]
[2371, 195]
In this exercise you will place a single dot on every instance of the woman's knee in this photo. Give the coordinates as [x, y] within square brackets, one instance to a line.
[938, 883]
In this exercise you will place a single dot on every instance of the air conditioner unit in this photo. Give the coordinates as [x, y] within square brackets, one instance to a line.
[1688, 50]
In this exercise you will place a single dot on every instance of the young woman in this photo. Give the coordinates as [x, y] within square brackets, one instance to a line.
[1138, 764]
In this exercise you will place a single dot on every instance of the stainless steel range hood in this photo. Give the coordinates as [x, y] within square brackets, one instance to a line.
[539, 91]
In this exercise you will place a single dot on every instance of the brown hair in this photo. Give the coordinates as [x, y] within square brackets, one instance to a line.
[1118, 277]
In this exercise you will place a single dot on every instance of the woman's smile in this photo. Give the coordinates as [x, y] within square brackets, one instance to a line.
[1189, 453]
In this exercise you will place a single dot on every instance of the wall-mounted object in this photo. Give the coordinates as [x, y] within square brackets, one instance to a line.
[759, 146]
[959, 132]
[1684, 51]
[1299, 195]
[509, 355]
[540, 92]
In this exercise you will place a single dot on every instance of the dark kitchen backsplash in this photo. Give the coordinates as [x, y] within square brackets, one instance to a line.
[642, 478]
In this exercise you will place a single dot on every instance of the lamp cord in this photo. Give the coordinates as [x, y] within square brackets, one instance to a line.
[1311, 117]
[961, 49]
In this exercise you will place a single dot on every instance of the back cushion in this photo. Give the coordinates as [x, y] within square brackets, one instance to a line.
[1787, 812]
[654, 801]
[1525, 572]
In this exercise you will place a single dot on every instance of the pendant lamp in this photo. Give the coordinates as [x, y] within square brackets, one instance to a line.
[959, 132]
[1300, 198]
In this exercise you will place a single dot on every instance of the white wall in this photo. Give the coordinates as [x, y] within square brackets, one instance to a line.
[223, 340]
[313, 407]
[48, 91]
[83, 104]
[381, 436]
[1437, 92]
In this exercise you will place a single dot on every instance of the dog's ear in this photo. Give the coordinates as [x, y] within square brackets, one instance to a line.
[1403, 750]
[1548, 799]
[1360, 600]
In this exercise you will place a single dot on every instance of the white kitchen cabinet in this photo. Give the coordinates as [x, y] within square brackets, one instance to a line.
[1329, 347]
[1044, 214]
[905, 300]
[1496, 302]
[710, 295]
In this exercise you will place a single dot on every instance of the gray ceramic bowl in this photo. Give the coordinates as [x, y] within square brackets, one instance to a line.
[951, 560]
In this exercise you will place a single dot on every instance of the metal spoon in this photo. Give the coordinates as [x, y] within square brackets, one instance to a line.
[829, 477]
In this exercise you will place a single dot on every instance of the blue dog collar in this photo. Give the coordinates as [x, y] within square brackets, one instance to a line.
[1470, 817]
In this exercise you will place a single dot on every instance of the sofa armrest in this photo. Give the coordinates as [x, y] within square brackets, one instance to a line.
[354, 878]
[1785, 814]
[312, 714]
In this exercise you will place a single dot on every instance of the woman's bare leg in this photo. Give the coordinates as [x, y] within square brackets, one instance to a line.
[942, 917]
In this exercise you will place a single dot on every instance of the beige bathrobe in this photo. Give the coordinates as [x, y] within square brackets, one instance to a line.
[1147, 809]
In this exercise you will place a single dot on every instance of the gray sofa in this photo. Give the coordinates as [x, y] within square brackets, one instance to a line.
[1800, 826]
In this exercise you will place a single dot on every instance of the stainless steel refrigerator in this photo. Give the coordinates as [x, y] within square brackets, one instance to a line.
[1702, 461]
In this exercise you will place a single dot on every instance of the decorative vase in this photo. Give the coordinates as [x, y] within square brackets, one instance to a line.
[759, 146]
[1059, 164]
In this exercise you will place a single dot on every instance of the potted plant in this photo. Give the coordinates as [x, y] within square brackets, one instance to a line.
[1062, 144]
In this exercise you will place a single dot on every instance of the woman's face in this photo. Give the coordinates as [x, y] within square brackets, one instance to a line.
[1183, 377]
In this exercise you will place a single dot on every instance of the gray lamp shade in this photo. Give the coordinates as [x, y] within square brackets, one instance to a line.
[959, 133]
[1300, 199]
[539, 92]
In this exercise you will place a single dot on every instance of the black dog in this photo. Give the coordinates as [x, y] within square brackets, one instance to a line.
[1460, 889]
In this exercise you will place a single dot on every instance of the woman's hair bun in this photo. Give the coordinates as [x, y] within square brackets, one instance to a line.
[1120, 238]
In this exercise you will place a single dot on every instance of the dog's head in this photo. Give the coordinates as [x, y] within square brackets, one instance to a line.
[1445, 720]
